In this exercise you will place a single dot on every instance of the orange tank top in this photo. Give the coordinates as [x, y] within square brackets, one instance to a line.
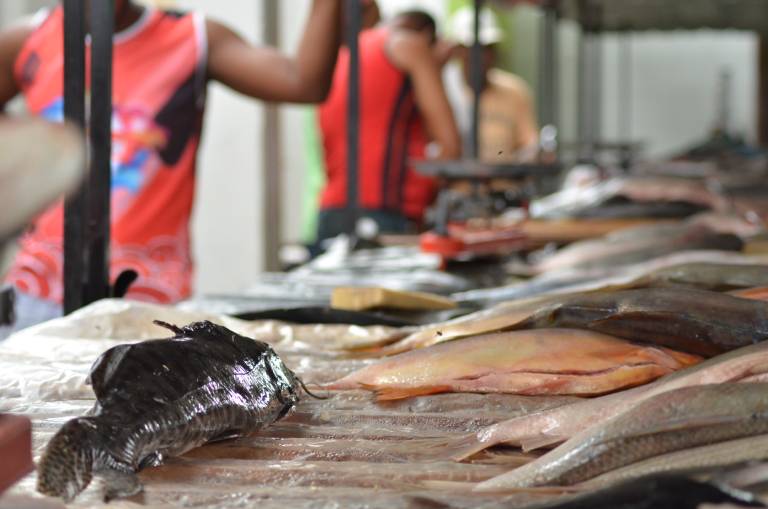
[159, 95]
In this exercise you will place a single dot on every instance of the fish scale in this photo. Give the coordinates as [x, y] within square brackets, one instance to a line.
[671, 421]
[162, 398]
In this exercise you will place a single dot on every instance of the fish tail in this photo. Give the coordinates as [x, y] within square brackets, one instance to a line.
[66, 467]
[453, 448]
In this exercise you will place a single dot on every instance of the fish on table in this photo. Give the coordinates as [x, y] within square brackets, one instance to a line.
[497, 318]
[697, 459]
[695, 321]
[672, 421]
[657, 492]
[539, 362]
[698, 321]
[552, 426]
[627, 247]
[162, 398]
[707, 270]
[653, 190]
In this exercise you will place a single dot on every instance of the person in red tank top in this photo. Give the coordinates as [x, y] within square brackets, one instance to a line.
[403, 106]
[162, 63]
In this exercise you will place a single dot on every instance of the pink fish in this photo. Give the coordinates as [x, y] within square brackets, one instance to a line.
[550, 427]
[535, 362]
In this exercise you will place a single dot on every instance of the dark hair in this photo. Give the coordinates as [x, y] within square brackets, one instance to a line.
[416, 20]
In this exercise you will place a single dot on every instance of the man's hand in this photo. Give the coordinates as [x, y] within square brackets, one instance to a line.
[444, 50]
[267, 74]
[413, 54]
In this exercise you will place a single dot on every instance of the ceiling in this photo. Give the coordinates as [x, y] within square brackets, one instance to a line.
[633, 15]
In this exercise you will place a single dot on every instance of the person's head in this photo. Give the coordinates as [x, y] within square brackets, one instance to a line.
[371, 14]
[417, 21]
[462, 32]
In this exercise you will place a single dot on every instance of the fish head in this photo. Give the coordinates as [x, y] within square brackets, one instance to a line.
[286, 382]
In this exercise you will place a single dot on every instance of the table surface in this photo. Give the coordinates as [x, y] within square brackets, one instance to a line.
[347, 451]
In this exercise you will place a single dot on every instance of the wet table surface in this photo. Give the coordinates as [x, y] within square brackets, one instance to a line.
[347, 451]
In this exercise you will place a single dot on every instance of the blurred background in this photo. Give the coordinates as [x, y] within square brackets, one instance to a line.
[665, 90]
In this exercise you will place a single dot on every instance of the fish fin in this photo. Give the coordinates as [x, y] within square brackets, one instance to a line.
[119, 484]
[393, 393]
[535, 442]
[66, 466]
[173, 328]
[463, 448]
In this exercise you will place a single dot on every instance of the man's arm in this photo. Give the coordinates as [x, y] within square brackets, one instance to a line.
[11, 42]
[413, 54]
[267, 74]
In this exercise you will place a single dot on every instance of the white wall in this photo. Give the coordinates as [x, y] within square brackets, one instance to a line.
[676, 86]
[227, 218]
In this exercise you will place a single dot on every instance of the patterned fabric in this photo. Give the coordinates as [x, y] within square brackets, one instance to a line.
[159, 97]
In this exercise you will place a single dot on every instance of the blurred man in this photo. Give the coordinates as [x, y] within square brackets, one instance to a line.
[162, 64]
[508, 126]
[403, 107]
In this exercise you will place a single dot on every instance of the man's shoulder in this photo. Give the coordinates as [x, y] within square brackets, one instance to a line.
[508, 82]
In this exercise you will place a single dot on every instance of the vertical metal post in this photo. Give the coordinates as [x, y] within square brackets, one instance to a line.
[477, 79]
[584, 83]
[596, 101]
[354, 21]
[74, 111]
[272, 221]
[762, 76]
[626, 97]
[97, 226]
[590, 81]
[548, 66]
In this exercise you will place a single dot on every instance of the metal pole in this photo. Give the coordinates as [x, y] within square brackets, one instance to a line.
[74, 111]
[97, 227]
[354, 24]
[597, 90]
[626, 97]
[477, 79]
[548, 98]
[272, 221]
[584, 110]
[590, 68]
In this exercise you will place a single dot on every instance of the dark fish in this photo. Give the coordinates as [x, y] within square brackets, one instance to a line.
[622, 208]
[657, 492]
[162, 398]
[695, 321]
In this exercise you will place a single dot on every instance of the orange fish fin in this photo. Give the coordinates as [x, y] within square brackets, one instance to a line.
[393, 393]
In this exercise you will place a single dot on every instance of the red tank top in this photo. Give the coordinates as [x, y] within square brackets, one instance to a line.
[391, 134]
[159, 96]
